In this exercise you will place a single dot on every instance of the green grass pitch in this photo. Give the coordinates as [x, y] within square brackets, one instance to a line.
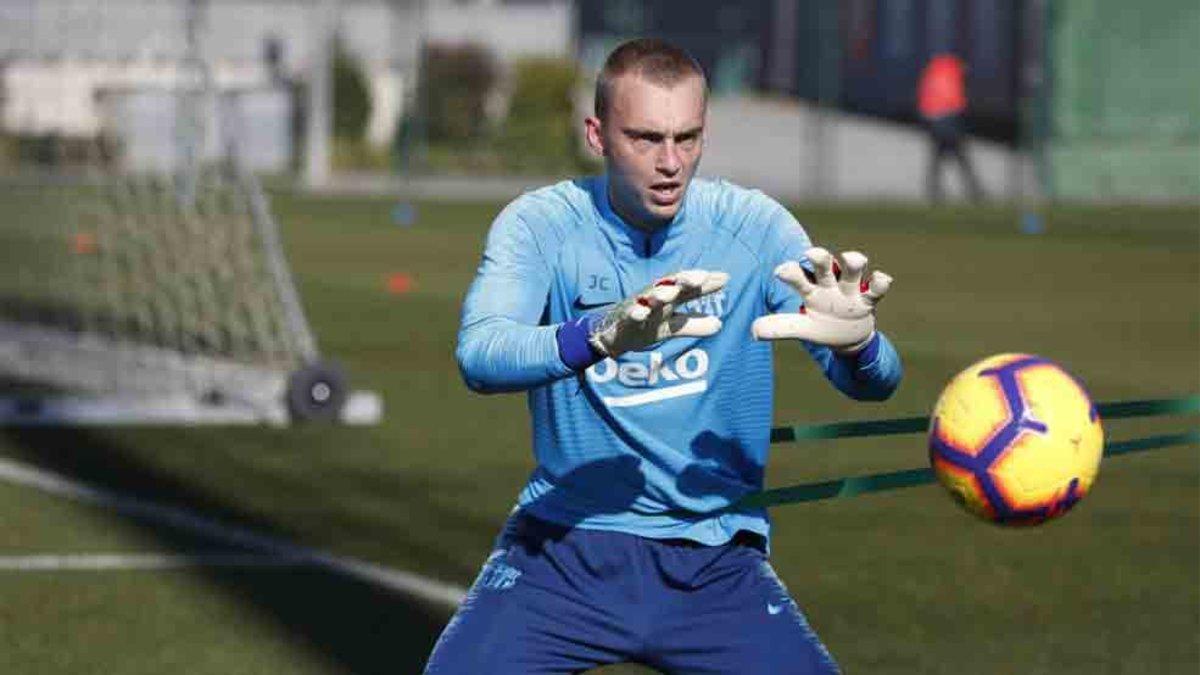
[898, 582]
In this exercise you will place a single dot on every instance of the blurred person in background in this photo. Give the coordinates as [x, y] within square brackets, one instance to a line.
[942, 104]
[651, 408]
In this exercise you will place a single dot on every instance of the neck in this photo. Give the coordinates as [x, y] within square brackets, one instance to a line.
[630, 214]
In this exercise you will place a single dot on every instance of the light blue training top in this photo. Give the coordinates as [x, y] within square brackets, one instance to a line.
[659, 441]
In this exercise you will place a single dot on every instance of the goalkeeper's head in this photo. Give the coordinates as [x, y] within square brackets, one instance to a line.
[648, 124]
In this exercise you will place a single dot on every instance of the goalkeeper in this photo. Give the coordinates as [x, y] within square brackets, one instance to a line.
[635, 309]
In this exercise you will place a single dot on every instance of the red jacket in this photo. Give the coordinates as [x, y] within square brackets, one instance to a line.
[942, 89]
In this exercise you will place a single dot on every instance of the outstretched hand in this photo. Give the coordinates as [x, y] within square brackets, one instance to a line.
[839, 303]
[650, 316]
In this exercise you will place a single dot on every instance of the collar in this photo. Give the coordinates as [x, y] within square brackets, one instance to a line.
[644, 242]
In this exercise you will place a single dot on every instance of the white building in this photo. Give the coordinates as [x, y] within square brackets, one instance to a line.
[57, 55]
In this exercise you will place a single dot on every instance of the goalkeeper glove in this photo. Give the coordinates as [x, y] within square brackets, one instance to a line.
[642, 319]
[839, 304]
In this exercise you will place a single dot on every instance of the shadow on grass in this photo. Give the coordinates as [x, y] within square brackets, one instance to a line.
[354, 626]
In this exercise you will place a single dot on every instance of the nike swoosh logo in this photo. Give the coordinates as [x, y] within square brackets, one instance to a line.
[580, 304]
[774, 609]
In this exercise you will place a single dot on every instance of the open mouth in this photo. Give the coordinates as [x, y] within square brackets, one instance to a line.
[665, 193]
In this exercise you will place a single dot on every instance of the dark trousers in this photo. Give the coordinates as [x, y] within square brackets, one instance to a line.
[557, 599]
[945, 142]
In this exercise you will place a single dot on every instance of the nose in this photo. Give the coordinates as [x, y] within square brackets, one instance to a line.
[668, 162]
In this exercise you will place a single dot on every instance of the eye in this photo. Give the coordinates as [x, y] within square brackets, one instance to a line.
[644, 140]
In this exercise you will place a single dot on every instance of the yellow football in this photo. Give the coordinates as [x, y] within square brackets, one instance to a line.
[1016, 439]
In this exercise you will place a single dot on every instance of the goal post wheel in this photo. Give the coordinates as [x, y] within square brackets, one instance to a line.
[317, 392]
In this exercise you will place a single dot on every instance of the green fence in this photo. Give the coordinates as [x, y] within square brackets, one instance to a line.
[1125, 100]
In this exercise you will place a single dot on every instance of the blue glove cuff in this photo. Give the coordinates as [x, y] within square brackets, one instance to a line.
[864, 357]
[574, 348]
[869, 352]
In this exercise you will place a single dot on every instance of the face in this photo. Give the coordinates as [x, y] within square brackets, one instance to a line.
[651, 140]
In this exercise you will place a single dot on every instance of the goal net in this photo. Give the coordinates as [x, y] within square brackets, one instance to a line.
[142, 278]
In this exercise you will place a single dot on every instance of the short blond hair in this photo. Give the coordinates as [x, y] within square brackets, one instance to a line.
[657, 61]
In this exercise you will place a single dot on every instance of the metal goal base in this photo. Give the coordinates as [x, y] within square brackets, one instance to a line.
[361, 408]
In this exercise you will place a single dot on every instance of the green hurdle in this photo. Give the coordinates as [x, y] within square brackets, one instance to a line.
[878, 482]
[912, 425]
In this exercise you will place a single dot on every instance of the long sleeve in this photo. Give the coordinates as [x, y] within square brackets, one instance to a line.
[871, 375]
[501, 346]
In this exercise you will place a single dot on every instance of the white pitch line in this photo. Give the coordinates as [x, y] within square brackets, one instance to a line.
[416, 585]
[142, 561]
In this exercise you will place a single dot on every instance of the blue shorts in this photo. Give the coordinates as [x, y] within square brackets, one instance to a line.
[556, 599]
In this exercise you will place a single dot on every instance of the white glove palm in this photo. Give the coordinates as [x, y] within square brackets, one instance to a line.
[649, 316]
[838, 312]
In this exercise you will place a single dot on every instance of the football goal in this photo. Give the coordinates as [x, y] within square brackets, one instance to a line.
[142, 276]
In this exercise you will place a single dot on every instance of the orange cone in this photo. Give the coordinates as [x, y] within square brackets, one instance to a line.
[83, 243]
[399, 283]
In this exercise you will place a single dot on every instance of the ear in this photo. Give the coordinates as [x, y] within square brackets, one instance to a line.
[595, 137]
